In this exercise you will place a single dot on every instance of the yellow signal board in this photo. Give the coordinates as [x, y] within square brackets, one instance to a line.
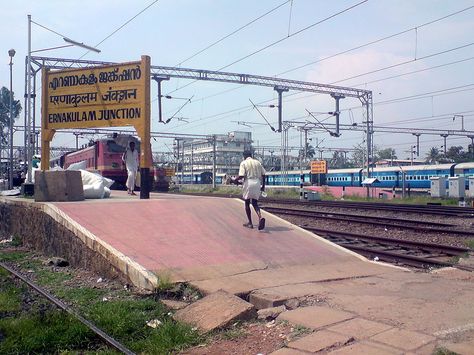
[319, 167]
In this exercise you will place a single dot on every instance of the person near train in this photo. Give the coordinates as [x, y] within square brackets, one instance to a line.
[130, 159]
[252, 173]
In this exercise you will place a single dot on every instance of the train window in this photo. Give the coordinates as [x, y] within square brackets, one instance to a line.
[114, 147]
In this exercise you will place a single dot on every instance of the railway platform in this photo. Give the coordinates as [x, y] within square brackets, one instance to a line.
[351, 304]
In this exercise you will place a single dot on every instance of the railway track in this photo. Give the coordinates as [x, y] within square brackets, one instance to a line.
[420, 226]
[104, 336]
[438, 210]
[450, 211]
[411, 253]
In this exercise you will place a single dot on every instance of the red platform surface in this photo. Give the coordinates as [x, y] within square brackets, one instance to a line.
[186, 233]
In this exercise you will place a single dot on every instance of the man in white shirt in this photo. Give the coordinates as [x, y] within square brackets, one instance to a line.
[130, 158]
[253, 174]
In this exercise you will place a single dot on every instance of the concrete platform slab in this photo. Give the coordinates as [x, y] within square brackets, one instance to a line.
[424, 303]
[319, 340]
[403, 339]
[360, 328]
[315, 317]
[464, 348]
[291, 275]
[287, 351]
[215, 311]
[366, 348]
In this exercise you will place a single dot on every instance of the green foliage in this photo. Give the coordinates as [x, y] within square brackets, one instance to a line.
[10, 300]
[5, 110]
[385, 154]
[52, 278]
[233, 333]
[339, 161]
[443, 351]
[455, 154]
[16, 241]
[167, 337]
[469, 243]
[164, 282]
[43, 333]
[38, 328]
[13, 256]
[82, 296]
[125, 319]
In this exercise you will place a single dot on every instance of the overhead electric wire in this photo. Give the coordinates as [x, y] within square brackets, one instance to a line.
[48, 29]
[406, 62]
[294, 34]
[311, 95]
[367, 73]
[122, 26]
[378, 40]
[359, 47]
[279, 41]
[233, 32]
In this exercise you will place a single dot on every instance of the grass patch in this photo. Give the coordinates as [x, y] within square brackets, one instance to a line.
[43, 333]
[16, 241]
[52, 278]
[80, 296]
[35, 326]
[233, 333]
[170, 336]
[443, 351]
[300, 330]
[126, 321]
[10, 300]
[164, 282]
[125, 318]
[12, 256]
[454, 259]
[469, 243]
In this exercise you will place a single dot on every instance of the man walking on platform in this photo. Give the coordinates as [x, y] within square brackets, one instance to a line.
[130, 158]
[253, 174]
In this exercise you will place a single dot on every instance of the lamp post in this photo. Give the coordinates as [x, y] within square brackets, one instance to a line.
[29, 107]
[11, 53]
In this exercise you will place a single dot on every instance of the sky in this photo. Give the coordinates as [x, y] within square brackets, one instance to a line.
[420, 64]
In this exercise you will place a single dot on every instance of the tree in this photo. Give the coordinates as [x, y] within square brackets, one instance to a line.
[338, 161]
[433, 156]
[359, 155]
[457, 154]
[385, 154]
[310, 152]
[5, 113]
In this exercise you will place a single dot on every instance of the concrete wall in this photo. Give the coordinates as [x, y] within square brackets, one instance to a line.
[40, 232]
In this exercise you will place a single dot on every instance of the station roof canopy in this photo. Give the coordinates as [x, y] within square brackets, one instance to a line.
[370, 181]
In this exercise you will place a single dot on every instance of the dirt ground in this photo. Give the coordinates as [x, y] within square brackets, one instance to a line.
[250, 338]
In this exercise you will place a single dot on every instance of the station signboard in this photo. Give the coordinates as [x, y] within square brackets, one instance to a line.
[112, 95]
[319, 167]
[104, 96]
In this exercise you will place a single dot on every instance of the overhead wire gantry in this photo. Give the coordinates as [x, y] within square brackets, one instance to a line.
[160, 73]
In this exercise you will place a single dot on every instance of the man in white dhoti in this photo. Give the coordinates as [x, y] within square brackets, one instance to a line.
[130, 158]
[253, 174]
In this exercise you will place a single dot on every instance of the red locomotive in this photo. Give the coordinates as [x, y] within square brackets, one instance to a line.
[104, 156]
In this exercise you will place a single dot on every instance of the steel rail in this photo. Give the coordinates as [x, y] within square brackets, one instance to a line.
[363, 219]
[448, 249]
[466, 210]
[391, 256]
[107, 338]
[381, 207]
